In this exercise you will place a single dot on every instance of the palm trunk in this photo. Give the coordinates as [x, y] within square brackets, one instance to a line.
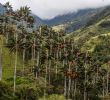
[85, 94]
[38, 56]
[65, 82]
[46, 76]
[34, 51]
[15, 64]
[107, 91]
[32, 60]
[65, 87]
[57, 56]
[50, 62]
[1, 62]
[32, 55]
[24, 54]
[7, 35]
[75, 83]
[57, 62]
[49, 71]
[45, 84]
[60, 53]
[64, 45]
[40, 30]
[103, 88]
[24, 51]
[69, 83]
[73, 88]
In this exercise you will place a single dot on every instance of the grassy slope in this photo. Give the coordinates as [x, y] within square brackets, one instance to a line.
[91, 44]
[90, 36]
[8, 59]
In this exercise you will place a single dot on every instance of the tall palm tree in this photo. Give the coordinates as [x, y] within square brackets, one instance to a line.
[9, 11]
[8, 7]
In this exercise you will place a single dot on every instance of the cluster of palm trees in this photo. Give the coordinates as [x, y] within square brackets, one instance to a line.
[55, 57]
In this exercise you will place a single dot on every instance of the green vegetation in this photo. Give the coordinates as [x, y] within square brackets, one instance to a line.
[42, 64]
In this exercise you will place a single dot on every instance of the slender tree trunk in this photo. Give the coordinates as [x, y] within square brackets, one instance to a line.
[107, 91]
[46, 76]
[65, 87]
[103, 87]
[57, 56]
[85, 94]
[64, 44]
[69, 82]
[15, 64]
[34, 51]
[1, 60]
[7, 35]
[72, 89]
[75, 84]
[32, 55]
[40, 30]
[45, 84]
[57, 62]
[38, 56]
[49, 71]
[24, 51]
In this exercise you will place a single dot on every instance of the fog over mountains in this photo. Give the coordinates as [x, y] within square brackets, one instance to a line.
[48, 9]
[72, 21]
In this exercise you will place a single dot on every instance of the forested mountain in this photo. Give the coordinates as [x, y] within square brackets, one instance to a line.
[38, 20]
[73, 21]
[70, 16]
[42, 64]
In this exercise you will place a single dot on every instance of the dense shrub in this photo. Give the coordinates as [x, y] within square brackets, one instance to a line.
[105, 24]
[6, 92]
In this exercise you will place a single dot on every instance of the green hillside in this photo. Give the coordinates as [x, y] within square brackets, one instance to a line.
[47, 64]
[91, 35]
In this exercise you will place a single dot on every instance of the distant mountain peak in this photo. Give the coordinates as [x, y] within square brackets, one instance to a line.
[1, 9]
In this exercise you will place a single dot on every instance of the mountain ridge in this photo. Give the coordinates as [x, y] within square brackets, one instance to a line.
[73, 21]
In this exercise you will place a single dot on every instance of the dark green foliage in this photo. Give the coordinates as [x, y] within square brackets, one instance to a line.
[100, 15]
[105, 24]
[6, 92]
[27, 93]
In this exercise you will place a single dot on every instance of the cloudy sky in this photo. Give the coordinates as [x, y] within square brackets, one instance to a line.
[48, 9]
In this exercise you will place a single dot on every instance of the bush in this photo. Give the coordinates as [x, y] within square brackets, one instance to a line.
[6, 92]
[27, 93]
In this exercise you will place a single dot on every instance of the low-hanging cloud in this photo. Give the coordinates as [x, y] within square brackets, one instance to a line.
[47, 9]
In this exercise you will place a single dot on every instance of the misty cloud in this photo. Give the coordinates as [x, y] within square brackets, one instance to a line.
[48, 9]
